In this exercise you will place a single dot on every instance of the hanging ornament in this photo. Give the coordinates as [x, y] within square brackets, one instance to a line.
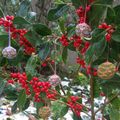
[106, 70]
[83, 30]
[44, 112]
[9, 52]
[54, 80]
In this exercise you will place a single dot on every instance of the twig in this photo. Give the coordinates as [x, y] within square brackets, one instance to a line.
[102, 107]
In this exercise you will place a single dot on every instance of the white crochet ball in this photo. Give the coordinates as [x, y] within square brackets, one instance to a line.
[83, 30]
[54, 80]
[9, 52]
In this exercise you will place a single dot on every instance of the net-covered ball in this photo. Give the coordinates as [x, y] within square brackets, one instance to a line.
[44, 112]
[106, 70]
[9, 52]
[54, 80]
[83, 30]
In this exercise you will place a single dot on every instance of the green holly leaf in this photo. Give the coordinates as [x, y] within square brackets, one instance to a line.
[42, 29]
[21, 99]
[64, 54]
[57, 12]
[20, 21]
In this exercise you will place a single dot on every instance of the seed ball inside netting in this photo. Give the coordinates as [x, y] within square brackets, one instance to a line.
[54, 80]
[9, 52]
[106, 70]
[83, 30]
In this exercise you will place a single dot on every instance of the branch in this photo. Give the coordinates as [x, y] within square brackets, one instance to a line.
[106, 103]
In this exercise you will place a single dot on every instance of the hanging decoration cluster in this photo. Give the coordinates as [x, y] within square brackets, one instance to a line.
[16, 34]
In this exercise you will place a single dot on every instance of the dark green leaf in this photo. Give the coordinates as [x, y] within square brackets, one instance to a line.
[62, 25]
[77, 3]
[21, 99]
[3, 40]
[116, 36]
[23, 8]
[2, 86]
[27, 104]
[44, 51]
[96, 50]
[1, 13]
[42, 29]
[14, 108]
[55, 13]
[64, 54]
[20, 21]
[31, 65]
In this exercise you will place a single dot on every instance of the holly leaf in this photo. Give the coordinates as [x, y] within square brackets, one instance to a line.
[59, 110]
[77, 3]
[21, 99]
[42, 29]
[44, 51]
[3, 40]
[57, 12]
[23, 8]
[1, 13]
[31, 65]
[64, 54]
[20, 21]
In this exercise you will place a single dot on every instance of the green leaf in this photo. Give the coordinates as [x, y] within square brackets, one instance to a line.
[116, 36]
[62, 25]
[31, 65]
[59, 110]
[10, 92]
[27, 104]
[56, 13]
[21, 99]
[77, 3]
[20, 21]
[1, 13]
[44, 51]
[2, 86]
[109, 85]
[14, 108]
[41, 29]
[64, 54]
[33, 38]
[114, 114]
[23, 8]
[3, 40]
[96, 50]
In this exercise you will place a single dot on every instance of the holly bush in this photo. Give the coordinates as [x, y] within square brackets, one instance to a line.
[84, 32]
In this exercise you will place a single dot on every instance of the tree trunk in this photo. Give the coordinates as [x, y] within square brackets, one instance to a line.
[41, 7]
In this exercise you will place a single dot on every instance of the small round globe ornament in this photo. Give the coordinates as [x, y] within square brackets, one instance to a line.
[106, 70]
[84, 31]
[44, 112]
[9, 52]
[54, 80]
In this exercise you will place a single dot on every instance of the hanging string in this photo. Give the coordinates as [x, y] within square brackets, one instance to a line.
[85, 15]
[9, 37]
[55, 57]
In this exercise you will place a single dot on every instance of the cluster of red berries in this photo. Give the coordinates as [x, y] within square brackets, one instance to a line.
[47, 61]
[22, 80]
[89, 69]
[40, 87]
[109, 30]
[77, 41]
[34, 86]
[17, 34]
[20, 33]
[81, 13]
[74, 105]
[64, 40]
